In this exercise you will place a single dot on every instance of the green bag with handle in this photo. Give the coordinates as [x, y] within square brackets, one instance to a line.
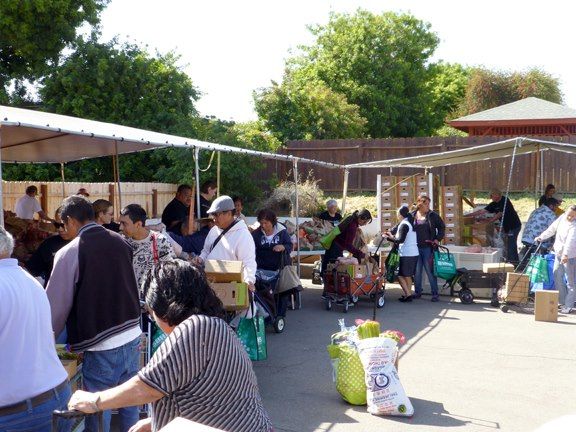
[327, 240]
[444, 263]
[252, 334]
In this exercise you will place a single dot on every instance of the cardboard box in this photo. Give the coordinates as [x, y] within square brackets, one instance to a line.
[388, 181]
[516, 288]
[223, 271]
[546, 306]
[497, 268]
[71, 367]
[234, 295]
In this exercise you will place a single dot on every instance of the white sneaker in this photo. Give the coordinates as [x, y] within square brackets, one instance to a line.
[565, 310]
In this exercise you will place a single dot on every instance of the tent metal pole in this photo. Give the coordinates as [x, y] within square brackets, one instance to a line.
[63, 180]
[431, 188]
[537, 177]
[379, 197]
[1, 186]
[297, 205]
[345, 191]
[117, 166]
[197, 176]
[218, 178]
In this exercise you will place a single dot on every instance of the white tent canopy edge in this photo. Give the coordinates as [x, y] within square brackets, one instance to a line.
[36, 136]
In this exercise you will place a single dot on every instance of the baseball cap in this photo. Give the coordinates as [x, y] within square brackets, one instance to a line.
[221, 204]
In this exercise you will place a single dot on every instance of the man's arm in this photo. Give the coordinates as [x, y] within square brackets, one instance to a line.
[62, 284]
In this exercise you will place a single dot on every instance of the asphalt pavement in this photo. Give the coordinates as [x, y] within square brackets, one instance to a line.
[464, 367]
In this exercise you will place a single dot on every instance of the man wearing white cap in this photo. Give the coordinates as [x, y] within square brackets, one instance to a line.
[229, 239]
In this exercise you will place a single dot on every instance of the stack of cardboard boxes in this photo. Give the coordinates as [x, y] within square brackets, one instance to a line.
[388, 203]
[452, 213]
[227, 281]
[398, 191]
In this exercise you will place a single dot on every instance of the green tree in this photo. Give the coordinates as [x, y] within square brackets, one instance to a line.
[379, 63]
[448, 89]
[300, 109]
[488, 89]
[33, 33]
[121, 84]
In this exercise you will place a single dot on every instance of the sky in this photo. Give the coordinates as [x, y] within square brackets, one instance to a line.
[229, 48]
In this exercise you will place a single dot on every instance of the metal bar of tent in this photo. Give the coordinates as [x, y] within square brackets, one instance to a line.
[218, 179]
[1, 185]
[117, 175]
[345, 190]
[296, 204]
[197, 178]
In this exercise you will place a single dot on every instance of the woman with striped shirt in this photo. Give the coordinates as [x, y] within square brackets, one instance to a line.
[201, 372]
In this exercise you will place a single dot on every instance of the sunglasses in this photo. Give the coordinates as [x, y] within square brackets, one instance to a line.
[58, 225]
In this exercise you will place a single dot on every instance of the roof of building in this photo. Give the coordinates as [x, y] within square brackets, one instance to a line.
[531, 108]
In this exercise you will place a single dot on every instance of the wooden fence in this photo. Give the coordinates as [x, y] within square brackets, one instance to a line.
[153, 197]
[558, 167]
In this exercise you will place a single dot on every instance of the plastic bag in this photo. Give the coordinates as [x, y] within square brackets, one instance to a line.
[327, 240]
[392, 265]
[384, 392]
[537, 269]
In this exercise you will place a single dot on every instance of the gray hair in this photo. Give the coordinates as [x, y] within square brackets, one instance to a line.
[331, 202]
[6, 243]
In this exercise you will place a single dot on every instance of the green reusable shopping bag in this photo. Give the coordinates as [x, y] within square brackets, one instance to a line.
[252, 334]
[444, 263]
[350, 377]
[392, 265]
[537, 269]
[327, 240]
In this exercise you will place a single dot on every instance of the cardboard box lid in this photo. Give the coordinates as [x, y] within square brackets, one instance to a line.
[224, 271]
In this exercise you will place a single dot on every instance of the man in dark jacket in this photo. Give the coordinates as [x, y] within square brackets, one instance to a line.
[93, 293]
[178, 210]
[429, 228]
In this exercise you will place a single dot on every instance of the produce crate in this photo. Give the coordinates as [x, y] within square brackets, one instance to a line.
[516, 288]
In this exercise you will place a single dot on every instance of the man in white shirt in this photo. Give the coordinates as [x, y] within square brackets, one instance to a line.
[564, 228]
[27, 205]
[33, 381]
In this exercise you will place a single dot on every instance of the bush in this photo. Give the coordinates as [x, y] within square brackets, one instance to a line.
[282, 200]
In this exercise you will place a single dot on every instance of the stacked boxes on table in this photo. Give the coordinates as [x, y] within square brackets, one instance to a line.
[398, 191]
[388, 203]
[452, 213]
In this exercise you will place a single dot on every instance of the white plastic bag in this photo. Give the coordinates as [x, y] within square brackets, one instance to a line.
[385, 394]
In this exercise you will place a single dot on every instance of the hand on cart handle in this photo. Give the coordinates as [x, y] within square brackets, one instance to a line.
[84, 401]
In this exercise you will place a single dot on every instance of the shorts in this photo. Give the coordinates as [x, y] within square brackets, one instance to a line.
[407, 266]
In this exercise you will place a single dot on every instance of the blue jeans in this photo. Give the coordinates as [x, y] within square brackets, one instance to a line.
[566, 288]
[425, 263]
[39, 418]
[102, 370]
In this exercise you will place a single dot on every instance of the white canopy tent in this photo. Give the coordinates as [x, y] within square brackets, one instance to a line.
[500, 149]
[40, 137]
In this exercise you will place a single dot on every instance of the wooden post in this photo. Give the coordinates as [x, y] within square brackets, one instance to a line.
[155, 202]
[111, 198]
[44, 197]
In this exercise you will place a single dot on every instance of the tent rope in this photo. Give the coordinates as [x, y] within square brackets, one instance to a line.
[209, 162]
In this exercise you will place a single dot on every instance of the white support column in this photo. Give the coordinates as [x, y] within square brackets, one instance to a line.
[379, 197]
[197, 176]
[218, 178]
[344, 191]
[297, 205]
[1, 188]
[431, 189]
[118, 176]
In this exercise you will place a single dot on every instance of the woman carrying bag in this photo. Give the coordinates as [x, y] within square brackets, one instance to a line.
[404, 237]
[345, 240]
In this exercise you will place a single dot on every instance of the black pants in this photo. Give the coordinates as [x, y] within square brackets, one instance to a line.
[331, 254]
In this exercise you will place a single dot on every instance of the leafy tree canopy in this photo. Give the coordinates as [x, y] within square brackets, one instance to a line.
[380, 63]
[33, 33]
[488, 89]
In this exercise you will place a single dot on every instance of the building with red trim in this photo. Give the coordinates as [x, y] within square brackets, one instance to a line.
[530, 116]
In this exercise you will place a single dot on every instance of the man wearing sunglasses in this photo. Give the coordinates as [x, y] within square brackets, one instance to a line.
[42, 260]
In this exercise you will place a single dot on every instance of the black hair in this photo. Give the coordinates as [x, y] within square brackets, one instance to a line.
[135, 212]
[176, 290]
[183, 188]
[364, 215]
[31, 189]
[550, 201]
[236, 198]
[267, 214]
[404, 211]
[549, 187]
[77, 207]
[208, 184]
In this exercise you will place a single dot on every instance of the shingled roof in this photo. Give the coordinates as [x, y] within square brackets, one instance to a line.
[524, 117]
